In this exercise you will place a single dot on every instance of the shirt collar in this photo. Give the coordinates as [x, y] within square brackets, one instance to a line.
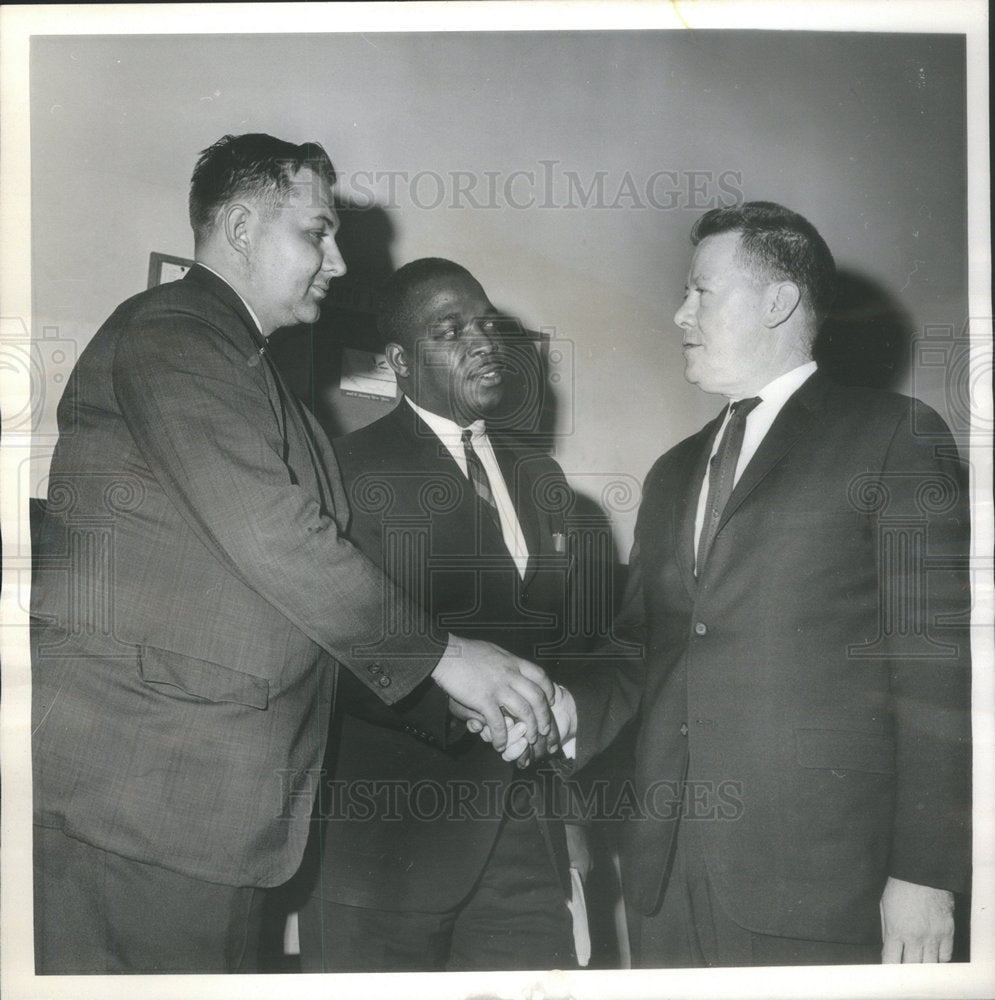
[777, 392]
[446, 429]
[248, 308]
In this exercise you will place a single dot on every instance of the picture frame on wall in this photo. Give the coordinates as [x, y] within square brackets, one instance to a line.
[165, 267]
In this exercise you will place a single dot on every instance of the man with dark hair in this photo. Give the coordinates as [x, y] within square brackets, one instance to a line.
[253, 163]
[799, 583]
[194, 598]
[448, 867]
[777, 244]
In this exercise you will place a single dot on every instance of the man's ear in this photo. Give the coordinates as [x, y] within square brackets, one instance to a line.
[237, 227]
[397, 359]
[781, 299]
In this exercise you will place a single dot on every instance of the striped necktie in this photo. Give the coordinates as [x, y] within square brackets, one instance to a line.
[478, 476]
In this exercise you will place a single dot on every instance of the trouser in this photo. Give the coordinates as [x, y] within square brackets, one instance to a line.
[692, 930]
[97, 912]
[515, 917]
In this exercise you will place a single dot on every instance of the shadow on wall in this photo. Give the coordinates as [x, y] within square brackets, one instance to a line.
[867, 338]
[310, 355]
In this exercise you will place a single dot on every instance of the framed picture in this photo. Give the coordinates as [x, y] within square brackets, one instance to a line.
[366, 374]
[165, 267]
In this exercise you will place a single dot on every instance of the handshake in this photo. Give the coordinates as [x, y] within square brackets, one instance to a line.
[509, 702]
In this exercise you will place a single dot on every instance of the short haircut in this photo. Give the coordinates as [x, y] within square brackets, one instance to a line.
[395, 312]
[253, 165]
[777, 244]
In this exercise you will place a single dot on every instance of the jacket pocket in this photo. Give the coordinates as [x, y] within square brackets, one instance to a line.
[845, 750]
[201, 679]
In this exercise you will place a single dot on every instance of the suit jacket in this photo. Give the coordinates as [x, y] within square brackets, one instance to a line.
[414, 511]
[193, 595]
[812, 684]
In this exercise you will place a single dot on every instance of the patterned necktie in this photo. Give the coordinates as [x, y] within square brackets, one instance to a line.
[478, 476]
[721, 474]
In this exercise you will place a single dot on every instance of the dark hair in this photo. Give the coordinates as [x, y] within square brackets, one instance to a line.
[254, 164]
[395, 309]
[777, 244]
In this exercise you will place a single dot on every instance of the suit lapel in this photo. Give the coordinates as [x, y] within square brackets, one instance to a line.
[291, 414]
[432, 459]
[792, 424]
[692, 472]
[254, 342]
[420, 439]
[200, 275]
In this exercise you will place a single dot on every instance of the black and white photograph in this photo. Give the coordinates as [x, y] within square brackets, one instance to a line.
[496, 494]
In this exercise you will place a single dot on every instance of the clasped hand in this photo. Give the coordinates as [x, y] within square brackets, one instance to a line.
[518, 747]
[488, 684]
[508, 701]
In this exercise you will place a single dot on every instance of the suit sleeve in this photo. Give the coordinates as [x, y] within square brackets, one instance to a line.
[926, 627]
[608, 687]
[201, 418]
[424, 712]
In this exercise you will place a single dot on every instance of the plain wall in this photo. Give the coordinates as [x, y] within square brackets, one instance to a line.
[864, 134]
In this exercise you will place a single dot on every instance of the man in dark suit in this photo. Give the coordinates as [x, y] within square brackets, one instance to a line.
[799, 584]
[432, 857]
[194, 596]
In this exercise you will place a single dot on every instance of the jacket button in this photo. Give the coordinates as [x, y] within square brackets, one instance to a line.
[375, 668]
[684, 729]
[384, 682]
[700, 628]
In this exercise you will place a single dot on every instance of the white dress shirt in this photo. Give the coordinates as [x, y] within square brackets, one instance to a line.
[773, 396]
[451, 435]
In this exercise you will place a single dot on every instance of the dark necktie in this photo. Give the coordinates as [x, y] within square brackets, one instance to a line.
[721, 474]
[478, 476]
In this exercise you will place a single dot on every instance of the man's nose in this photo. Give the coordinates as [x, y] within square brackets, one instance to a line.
[684, 315]
[484, 339]
[333, 262]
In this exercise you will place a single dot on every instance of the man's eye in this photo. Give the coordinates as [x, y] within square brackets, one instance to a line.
[445, 331]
